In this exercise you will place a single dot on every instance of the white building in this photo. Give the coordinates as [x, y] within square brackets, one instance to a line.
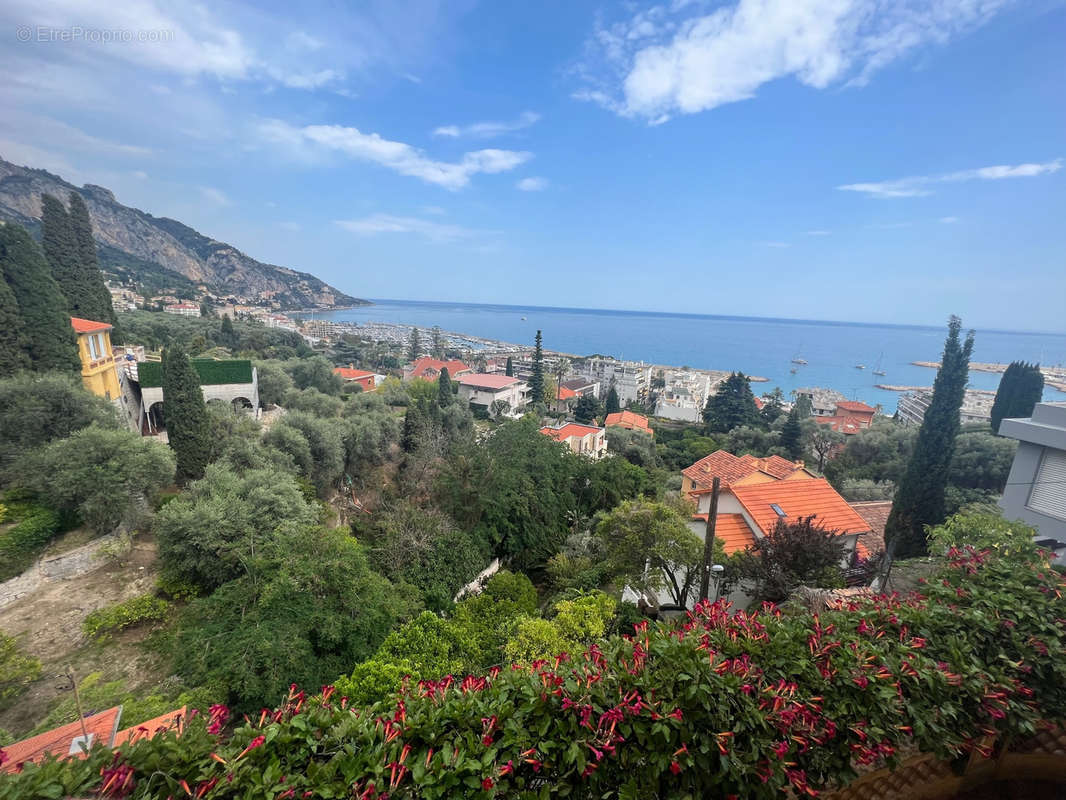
[684, 394]
[631, 379]
[976, 406]
[585, 440]
[482, 390]
[183, 309]
[823, 401]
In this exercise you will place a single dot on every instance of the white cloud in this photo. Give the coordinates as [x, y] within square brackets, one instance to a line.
[665, 61]
[817, 233]
[140, 174]
[919, 185]
[534, 184]
[388, 223]
[486, 130]
[312, 140]
[949, 220]
[214, 196]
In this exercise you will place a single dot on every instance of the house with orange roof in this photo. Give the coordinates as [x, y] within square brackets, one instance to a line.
[849, 418]
[98, 371]
[67, 741]
[734, 470]
[564, 396]
[486, 392]
[748, 512]
[586, 440]
[628, 420]
[365, 378]
[430, 368]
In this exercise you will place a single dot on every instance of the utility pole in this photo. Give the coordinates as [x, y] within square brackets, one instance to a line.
[708, 542]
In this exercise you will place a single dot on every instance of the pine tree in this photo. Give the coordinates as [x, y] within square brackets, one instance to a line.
[792, 435]
[536, 383]
[444, 388]
[12, 334]
[228, 334]
[48, 338]
[185, 414]
[919, 500]
[611, 404]
[414, 345]
[438, 342]
[95, 303]
[1020, 388]
[803, 406]
[414, 425]
[732, 406]
[587, 408]
[509, 369]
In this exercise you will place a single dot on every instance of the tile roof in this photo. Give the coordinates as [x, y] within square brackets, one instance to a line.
[350, 374]
[570, 429]
[101, 727]
[627, 419]
[433, 366]
[88, 326]
[565, 393]
[731, 469]
[733, 531]
[854, 405]
[799, 499]
[172, 720]
[847, 425]
[483, 380]
[579, 383]
[875, 512]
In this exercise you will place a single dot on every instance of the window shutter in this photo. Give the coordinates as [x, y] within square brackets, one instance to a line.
[1049, 490]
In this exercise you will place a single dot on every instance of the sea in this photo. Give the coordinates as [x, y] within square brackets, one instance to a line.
[759, 346]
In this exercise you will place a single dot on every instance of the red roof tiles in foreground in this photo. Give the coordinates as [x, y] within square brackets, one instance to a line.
[733, 532]
[875, 512]
[172, 720]
[483, 380]
[570, 429]
[627, 419]
[800, 499]
[100, 727]
[88, 326]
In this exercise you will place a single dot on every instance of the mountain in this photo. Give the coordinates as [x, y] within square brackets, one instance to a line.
[162, 252]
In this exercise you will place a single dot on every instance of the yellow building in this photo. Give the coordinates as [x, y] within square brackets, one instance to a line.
[97, 362]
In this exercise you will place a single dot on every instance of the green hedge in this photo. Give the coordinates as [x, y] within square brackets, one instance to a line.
[135, 611]
[22, 543]
[211, 371]
[762, 705]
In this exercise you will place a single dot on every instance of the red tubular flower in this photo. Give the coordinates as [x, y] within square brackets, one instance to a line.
[675, 767]
[487, 784]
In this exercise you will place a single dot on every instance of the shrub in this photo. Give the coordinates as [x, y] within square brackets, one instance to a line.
[17, 670]
[759, 705]
[22, 543]
[135, 611]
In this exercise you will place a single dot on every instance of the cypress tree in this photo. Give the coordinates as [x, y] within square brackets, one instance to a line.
[732, 406]
[610, 403]
[792, 435]
[536, 383]
[228, 335]
[444, 388]
[414, 345]
[12, 334]
[48, 338]
[919, 500]
[1020, 388]
[95, 300]
[509, 369]
[185, 414]
[61, 251]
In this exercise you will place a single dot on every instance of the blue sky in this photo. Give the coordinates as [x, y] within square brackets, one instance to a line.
[825, 159]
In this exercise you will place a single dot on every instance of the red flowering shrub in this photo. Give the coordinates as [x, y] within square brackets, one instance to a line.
[751, 704]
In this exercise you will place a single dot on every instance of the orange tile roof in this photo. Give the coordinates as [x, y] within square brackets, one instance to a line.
[627, 419]
[733, 531]
[101, 727]
[570, 429]
[350, 374]
[565, 393]
[848, 425]
[730, 469]
[88, 326]
[875, 512]
[800, 499]
[854, 405]
[425, 364]
[172, 720]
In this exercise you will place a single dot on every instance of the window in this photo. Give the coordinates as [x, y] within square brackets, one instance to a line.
[1048, 495]
[777, 510]
[93, 340]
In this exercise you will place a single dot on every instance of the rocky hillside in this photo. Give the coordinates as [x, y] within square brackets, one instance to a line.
[132, 242]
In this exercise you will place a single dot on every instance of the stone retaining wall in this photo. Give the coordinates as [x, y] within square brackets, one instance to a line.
[65, 566]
